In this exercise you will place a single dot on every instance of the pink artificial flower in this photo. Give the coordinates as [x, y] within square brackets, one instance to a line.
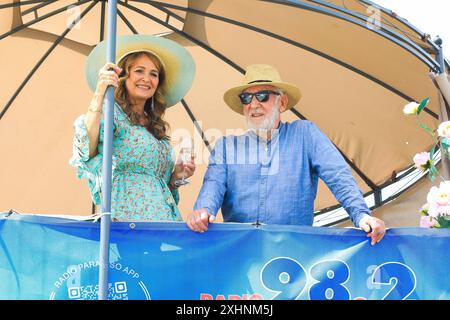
[427, 222]
[421, 160]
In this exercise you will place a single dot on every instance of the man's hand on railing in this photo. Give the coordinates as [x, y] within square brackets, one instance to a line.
[199, 219]
[374, 227]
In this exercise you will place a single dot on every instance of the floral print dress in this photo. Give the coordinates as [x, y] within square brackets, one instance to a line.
[141, 169]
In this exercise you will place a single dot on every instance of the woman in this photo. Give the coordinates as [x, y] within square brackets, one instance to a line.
[144, 174]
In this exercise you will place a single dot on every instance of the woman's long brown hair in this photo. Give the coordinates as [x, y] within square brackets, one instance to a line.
[156, 125]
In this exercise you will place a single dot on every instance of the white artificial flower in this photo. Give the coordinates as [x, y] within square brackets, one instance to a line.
[444, 129]
[438, 199]
[411, 108]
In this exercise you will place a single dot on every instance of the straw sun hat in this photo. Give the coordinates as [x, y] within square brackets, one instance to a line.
[261, 74]
[179, 66]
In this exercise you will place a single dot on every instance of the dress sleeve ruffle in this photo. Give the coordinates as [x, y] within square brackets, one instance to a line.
[91, 169]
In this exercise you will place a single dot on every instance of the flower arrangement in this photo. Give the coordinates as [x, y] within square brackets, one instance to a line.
[436, 212]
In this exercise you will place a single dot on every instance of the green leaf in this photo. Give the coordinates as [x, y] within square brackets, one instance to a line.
[443, 222]
[433, 148]
[422, 105]
[424, 127]
[432, 171]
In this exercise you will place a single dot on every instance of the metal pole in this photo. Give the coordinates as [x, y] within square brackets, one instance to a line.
[440, 55]
[107, 158]
[377, 197]
[444, 116]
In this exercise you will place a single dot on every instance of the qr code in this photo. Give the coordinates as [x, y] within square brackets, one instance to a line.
[116, 291]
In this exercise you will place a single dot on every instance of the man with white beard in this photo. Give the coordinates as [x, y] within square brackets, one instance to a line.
[270, 174]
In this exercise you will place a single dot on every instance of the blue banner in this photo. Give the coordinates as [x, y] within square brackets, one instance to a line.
[57, 258]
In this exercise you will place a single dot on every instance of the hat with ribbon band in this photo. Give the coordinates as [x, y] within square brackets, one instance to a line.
[261, 74]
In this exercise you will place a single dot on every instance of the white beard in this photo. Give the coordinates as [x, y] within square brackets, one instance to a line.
[268, 123]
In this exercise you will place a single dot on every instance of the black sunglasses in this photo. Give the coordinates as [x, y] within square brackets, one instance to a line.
[261, 96]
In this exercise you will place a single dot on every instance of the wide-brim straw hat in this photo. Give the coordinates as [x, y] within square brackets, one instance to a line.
[178, 64]
[261, 74]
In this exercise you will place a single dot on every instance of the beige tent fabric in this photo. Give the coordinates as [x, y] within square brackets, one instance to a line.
[379, 18]
[6, 18]
[343, 71]
[57, 23]
[36, 132]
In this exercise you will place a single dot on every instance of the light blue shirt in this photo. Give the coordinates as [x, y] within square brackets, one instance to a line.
[275, 181]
